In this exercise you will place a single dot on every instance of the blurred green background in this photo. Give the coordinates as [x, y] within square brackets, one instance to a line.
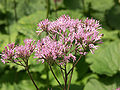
[19, 19]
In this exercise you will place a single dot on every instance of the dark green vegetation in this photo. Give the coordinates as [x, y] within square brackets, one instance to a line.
[100, 71]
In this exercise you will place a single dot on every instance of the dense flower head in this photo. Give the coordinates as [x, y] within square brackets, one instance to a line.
[13, 53]
[51, 51]
[80, 34]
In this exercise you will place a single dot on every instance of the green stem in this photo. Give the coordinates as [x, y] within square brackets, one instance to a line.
[74, 64]
[32, 78]
[15, 12]
[47, 73]
[55, 76]
[70, 79]
[65, 88]
[83, 3]
[62, 73]
[27, 69]
[56, 8]
[48, 7]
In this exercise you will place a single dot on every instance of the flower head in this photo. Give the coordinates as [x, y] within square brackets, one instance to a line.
[12, 53]
[8, 53]
[84, 33]
[25, 51]
[52, 51]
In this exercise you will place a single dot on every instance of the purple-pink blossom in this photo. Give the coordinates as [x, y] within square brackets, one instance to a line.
[118, 89]
[25, 51]
[52, 51]
[82, 35]
[66, 38]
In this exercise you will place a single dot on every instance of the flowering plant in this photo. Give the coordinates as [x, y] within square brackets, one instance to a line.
[66, 38]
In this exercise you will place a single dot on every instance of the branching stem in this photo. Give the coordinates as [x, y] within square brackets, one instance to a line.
[55, 76]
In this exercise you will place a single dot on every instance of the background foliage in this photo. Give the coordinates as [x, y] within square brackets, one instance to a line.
[100, 71]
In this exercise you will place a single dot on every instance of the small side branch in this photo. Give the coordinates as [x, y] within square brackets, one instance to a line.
[70, 79]
[74, 64]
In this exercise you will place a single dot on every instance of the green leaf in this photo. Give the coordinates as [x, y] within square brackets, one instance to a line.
[13, 32]
[100, 5]
[4, 40]
[106, 59]
[106, 83]
[27, 7]
[28, 25]
[18, 67]
[76, 14]
[73, 4]
[110, 35]
[82, 68]
[36, 66]
[113, 17]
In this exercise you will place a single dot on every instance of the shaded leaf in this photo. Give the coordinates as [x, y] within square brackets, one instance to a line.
[113, 17]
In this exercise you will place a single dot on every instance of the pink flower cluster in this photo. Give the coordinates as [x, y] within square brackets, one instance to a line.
[66, 33]
[65, 39]
[52, 51]
[118, 89]
[14, 53]
[26, 50]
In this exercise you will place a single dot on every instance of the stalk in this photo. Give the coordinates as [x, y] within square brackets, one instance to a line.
[15, 12]
[55, 76]
[55, 8]
[48, 7]
[27, 69]
[65, 88]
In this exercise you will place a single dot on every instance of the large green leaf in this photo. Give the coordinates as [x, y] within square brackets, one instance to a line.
[112, 17]
[106, 59]
[28, 24]
[110, 35]
[27, 7]
[105, 83]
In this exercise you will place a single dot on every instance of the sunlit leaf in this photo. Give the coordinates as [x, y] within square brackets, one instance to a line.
[106, 59]
[106, 83]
